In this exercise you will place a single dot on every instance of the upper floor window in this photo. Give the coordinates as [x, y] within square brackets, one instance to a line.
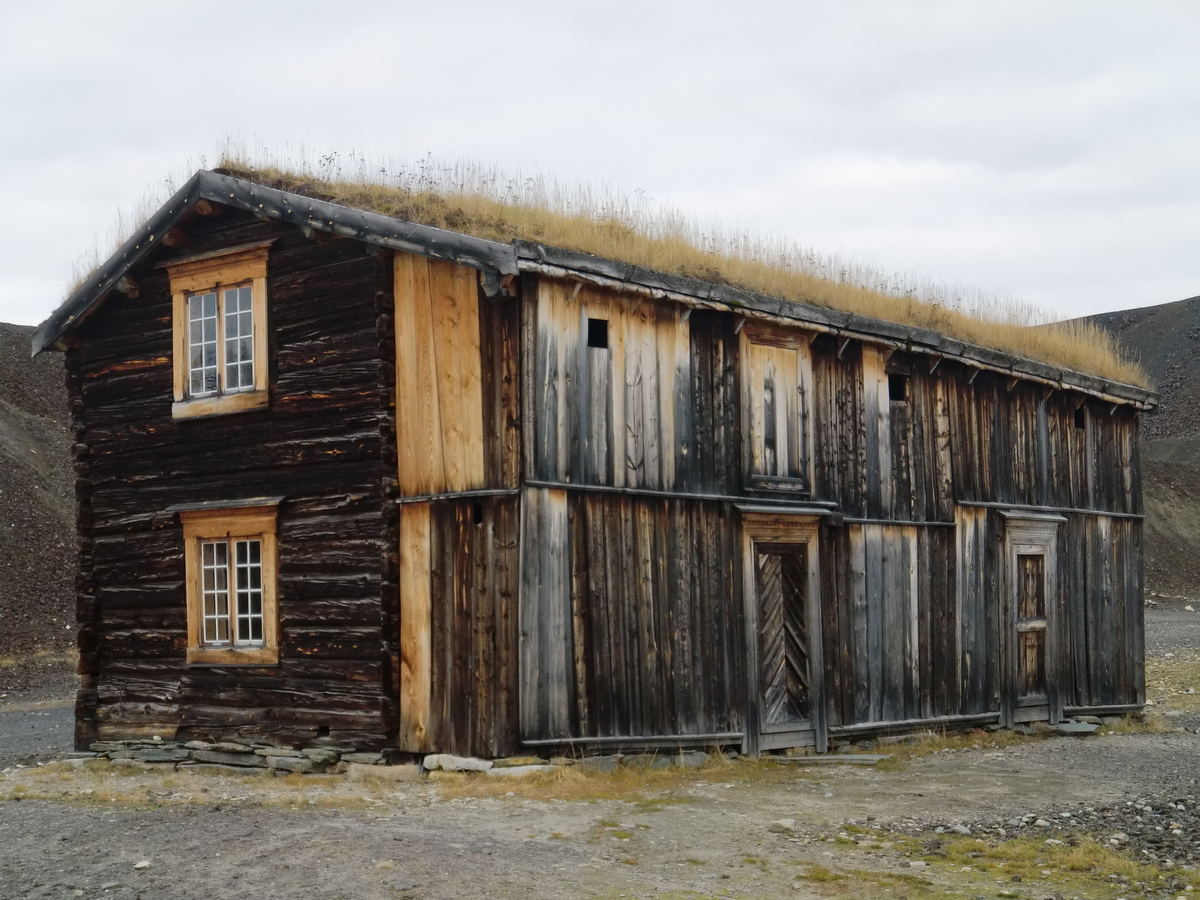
[777, 398]
[220, 305]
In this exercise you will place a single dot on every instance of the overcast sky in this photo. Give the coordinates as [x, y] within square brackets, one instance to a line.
[1045, 150]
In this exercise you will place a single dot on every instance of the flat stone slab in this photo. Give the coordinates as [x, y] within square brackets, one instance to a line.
[320, 755]
[833, 759]
[1074, 728]
[449, 763]
[161, 756]
[366, 759]
[279, 751]
[291, 764]
[245, 760]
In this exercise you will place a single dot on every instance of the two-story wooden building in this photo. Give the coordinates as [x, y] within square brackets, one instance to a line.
[349, 480]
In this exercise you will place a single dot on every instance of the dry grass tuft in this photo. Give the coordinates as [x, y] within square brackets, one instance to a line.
[648, 788]
[1168, 680]
[1074, 864]
[479, 200]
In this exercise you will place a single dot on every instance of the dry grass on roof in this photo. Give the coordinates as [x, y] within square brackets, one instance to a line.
[477, 201]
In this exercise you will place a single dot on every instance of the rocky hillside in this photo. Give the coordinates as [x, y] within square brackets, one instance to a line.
[37, 518]
[1166, 339]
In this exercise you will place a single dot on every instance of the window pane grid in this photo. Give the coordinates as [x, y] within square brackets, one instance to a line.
[214, 573]
[239, 339]
[202, 344]
[241, 626]
[248, 573]
[220, 341]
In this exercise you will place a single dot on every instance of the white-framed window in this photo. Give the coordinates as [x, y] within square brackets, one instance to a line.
[220, 331]
[232, 592]
[220, 336]
[230, 561]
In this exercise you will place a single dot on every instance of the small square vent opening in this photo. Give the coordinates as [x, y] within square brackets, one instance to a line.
[598, 333]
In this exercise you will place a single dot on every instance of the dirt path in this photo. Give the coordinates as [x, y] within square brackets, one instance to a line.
[219, 837]
[704, 834]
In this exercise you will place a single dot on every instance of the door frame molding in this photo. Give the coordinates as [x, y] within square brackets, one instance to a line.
[765, 528]
[1024, 533]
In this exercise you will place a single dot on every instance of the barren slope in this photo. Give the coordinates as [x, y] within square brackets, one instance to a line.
[37, 534]
[1166, 338]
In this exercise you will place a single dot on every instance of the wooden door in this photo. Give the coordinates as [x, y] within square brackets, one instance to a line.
[785, 679]
[1031, 690]
[787, 695]
[1029, 653]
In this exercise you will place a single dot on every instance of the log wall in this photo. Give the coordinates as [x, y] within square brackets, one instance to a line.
[319, 445]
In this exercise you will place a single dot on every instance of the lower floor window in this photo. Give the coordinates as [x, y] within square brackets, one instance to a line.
[231, 585]
[245, 614]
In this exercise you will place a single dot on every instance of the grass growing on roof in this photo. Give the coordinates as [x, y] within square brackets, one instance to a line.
[478, 200]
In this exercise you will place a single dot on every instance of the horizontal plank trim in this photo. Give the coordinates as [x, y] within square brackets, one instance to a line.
[640, 739]
[460, 495]
[815, 507]
[227, 252]
[1063, 510]
[225, 504]
[915, 523]
[1114, 709]
[905, 724]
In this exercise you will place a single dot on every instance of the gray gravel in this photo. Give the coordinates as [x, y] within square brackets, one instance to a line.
[27, 735]
[1171, 630]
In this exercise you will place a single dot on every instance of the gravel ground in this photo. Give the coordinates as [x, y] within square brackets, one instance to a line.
[44, 731]
[222, 837]
[1172, 630]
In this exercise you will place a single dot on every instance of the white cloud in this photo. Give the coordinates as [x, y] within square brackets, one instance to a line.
[1045, 150]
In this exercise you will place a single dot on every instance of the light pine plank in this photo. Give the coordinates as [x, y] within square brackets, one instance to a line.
[455, 316]
[418, 418]
[407, 409]
[415, 624]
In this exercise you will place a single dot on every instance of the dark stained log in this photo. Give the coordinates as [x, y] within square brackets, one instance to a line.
[319, 445]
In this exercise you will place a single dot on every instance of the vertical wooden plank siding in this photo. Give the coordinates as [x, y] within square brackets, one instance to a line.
[546, 622]
[877, 415]
[415, 628]
[439, 404]
[653, 632]
[609, 415]
[473, 576]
